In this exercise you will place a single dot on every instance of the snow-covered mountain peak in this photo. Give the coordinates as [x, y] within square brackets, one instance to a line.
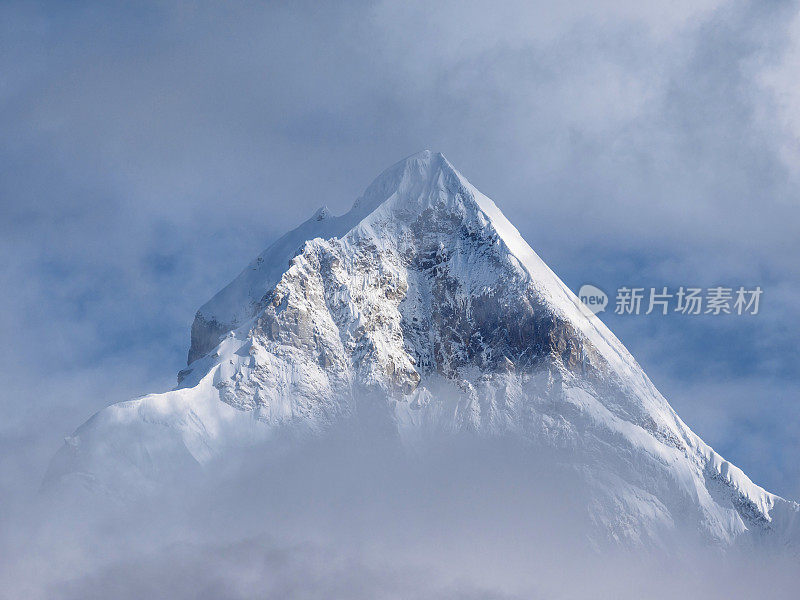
[414, 189]
[408, 180]
[425, 305]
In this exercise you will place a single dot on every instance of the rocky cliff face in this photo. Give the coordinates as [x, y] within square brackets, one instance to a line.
[425, 302]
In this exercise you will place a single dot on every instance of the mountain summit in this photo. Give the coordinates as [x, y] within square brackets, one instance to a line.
[424, 304]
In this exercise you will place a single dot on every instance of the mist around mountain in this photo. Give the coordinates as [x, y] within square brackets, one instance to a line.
[340, 517]
[403, 401]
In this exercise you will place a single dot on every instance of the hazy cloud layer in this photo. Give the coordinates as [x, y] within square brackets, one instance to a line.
[352, 520]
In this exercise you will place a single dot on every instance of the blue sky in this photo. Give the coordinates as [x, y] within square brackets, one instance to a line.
[148, 153]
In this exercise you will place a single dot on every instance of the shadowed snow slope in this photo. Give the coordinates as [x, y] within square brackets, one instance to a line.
[424, 306]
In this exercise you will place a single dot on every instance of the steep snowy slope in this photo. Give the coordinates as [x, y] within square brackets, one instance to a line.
[425, 304]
